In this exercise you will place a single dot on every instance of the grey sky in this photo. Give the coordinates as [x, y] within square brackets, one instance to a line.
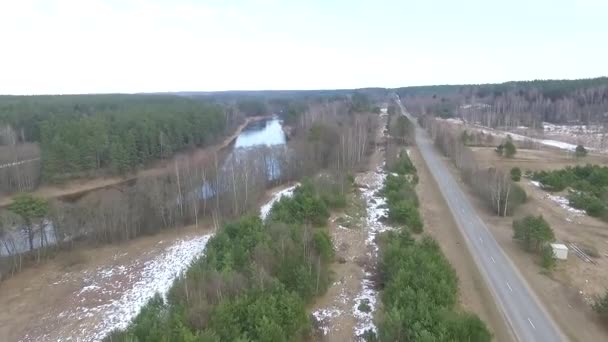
[77, 46]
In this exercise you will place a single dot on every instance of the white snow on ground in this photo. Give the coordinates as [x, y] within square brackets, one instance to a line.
[547, 142]
[18, 163]
[571, 129]
[324, 316]
[558, 144]
[265, 209]
[145, 278]
[565, 204]
[562, 202]
[375, 212]
[367, 295]
[594, 137]
[376, 206]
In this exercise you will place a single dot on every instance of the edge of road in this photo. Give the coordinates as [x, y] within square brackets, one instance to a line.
[475, 257]
[498, 317]
[518, 274]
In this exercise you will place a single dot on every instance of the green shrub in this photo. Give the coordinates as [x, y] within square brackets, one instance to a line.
[588, 202]
[260, 315]
[601, 305]
[405, 212]
[509, 148]
[547, 257]
[303, 207]
[533, 232]
[403, 165]
[516, 174]
[580, 151]
[364, 306]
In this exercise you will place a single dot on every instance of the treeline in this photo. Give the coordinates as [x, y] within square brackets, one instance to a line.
[589, 186]
[82, 134]
[253, 282]
[512, 104]
[494, 186]
[124, 141]
[419, 294]
[401, 195]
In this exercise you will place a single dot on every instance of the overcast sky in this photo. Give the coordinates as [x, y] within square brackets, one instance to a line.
[82, 46]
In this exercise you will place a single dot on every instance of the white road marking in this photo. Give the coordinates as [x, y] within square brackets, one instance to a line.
[494, 261]
[532, 324]
[509, 286]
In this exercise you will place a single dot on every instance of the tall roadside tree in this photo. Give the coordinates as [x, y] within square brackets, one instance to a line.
[32, 210]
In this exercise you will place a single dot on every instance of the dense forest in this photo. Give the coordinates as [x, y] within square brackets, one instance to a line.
[55, 138]
[511, 104]
[81, 134]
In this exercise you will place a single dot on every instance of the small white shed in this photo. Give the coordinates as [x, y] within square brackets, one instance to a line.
[560, 251]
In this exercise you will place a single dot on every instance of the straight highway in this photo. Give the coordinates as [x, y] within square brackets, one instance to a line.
[528, 320]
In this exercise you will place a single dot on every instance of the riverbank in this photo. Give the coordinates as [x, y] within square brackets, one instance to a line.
[86, 292]
[78, 187]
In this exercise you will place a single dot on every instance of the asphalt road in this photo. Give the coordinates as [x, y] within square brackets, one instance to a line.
[528, 320]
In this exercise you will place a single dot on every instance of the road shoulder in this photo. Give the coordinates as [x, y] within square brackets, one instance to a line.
[473, 293]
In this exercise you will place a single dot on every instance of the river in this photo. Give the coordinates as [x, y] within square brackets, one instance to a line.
[267, 132]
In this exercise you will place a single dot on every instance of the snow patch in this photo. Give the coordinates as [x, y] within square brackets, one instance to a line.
[518, 137]
[565, 204]
[376, 212]
[368, 295]
[265, 209]
[117, 293]
[324, 317]
[559, 144]
[562, 202]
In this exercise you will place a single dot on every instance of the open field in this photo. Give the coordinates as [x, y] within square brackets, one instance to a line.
[570, 288]
[545, 158]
